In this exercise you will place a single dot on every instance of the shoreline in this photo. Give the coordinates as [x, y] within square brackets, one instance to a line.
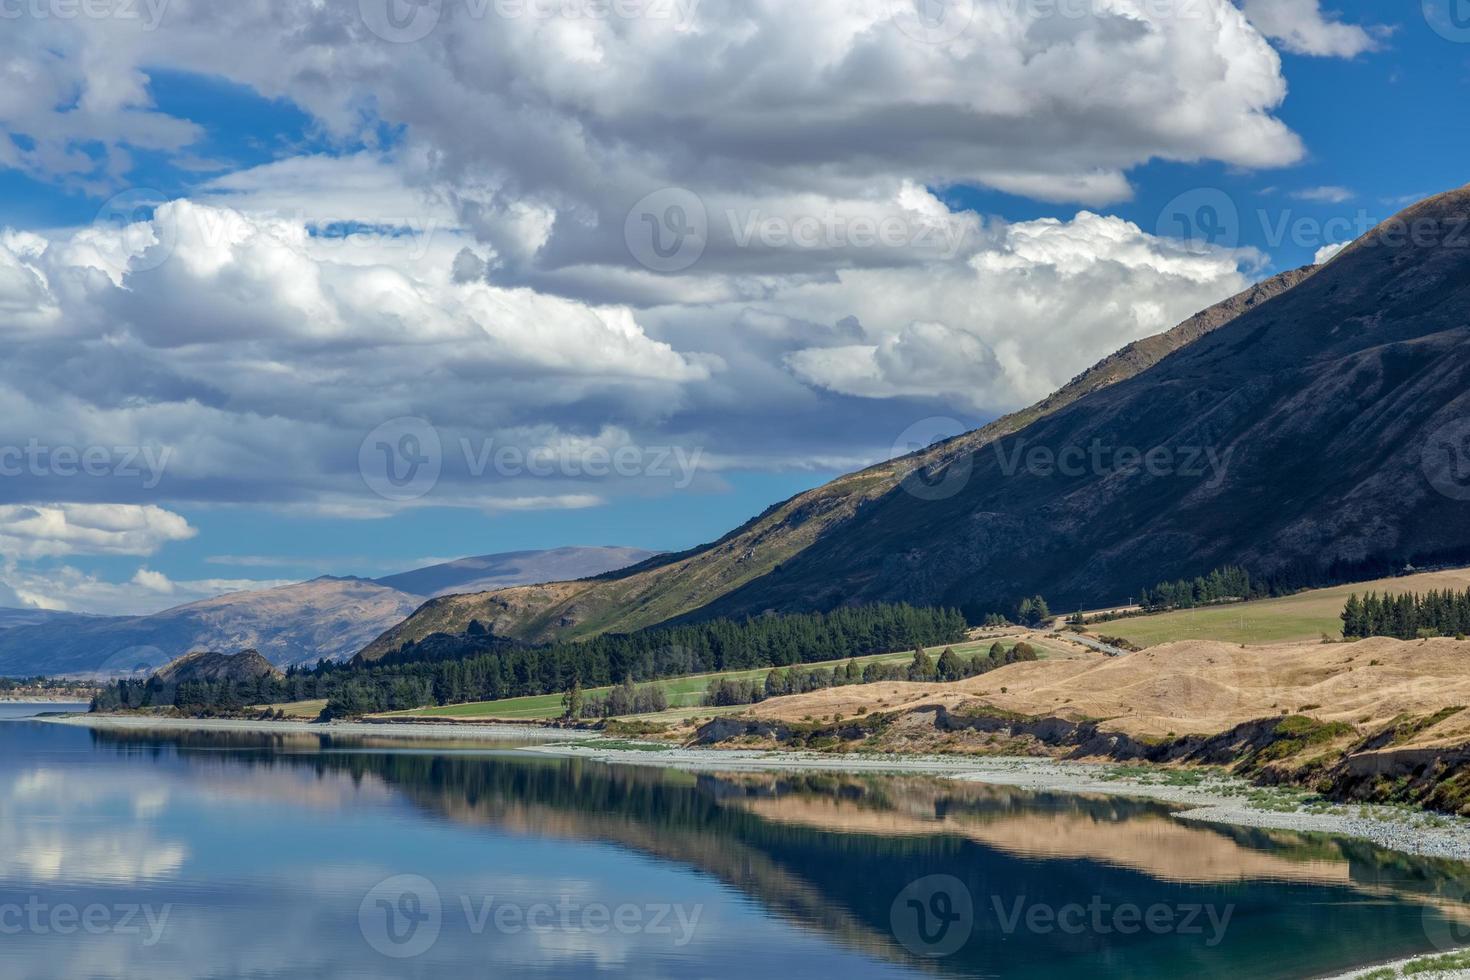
[485, 732]
[1206, 796]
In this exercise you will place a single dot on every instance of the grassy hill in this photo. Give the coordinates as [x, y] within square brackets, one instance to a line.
[1305, 616]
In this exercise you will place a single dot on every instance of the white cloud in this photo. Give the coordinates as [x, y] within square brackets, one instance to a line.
[1302, 27]
[66, 588]
[1325, 195]
[54, 530]
[1051, 298]
[1328, 252]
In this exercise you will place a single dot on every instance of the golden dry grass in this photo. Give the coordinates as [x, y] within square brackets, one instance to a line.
[1196, 687]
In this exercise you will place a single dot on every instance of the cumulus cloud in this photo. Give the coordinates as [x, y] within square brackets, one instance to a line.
[1302, 27]
[35, 531]
[1019, 319]
[498, 269]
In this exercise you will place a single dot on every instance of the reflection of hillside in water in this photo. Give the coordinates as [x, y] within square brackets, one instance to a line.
[830, 851]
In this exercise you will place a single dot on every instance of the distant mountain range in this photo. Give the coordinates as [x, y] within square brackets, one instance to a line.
[1315, 428]
[327, 617]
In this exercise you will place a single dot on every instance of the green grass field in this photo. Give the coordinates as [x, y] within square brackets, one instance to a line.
[683, 692]
[309, 710]
[1305, 616]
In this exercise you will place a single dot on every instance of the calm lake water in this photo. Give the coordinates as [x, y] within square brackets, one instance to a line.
[229, 855]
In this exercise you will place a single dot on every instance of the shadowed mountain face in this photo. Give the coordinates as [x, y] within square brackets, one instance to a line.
[1319, 436]
[673, 586]
[301, 623]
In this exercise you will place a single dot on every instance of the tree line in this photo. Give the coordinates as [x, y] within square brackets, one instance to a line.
[491, 670]
[1220, 585]
[950, 667]
[1407, 616]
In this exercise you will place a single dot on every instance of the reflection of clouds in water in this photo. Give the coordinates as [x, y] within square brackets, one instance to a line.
[56, 826]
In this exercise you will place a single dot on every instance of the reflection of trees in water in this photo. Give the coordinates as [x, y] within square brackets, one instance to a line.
[814, 864]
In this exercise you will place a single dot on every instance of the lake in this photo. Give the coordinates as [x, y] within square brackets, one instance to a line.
[162, 855]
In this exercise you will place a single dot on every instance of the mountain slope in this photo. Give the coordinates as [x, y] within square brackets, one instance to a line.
[301, 623]
[1337, 412]
[671, 586]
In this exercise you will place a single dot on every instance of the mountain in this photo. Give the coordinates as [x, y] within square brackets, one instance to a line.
[488, 572]
[11, 618]
[301, 623]
[1313, 429]
[248, 665]
[672, 586]
[1320, 436]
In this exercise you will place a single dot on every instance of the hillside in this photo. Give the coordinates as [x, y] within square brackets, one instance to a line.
[1325, 415]
[301, 623]
[671, 586]
[210, 667]
[1303, 616]
[1377, 719]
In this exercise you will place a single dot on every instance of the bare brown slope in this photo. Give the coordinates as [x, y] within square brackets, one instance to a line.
[673, 585]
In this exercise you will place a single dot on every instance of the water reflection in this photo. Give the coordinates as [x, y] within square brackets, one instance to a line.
[269, 849]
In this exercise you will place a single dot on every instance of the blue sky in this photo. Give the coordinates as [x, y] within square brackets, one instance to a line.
[264, 361]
